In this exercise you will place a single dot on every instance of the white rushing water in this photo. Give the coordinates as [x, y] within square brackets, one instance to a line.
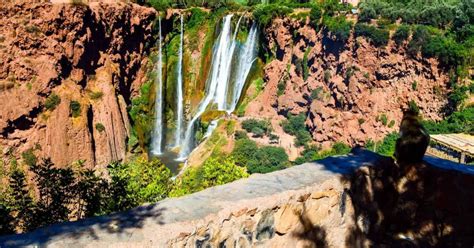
[157, 137]
[179, 91]
[220, 77]
[246, 59]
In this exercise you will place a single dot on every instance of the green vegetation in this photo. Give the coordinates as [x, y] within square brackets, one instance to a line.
[74, 192]
[259, 159]
[265, 13]
[383, 119]
[312, 153]
[316, 93]
[459, 122]
[141, 115]
[413, 106]
[100, 127]
[401, 35]
[386, 147]
[215, 171]
[29, 157]
[96, 95]
[52, 101]
[75, 108]
[142, 180]
[338, 26]
[295, 125]
[281, 87]
[378, 37]
[258, 127]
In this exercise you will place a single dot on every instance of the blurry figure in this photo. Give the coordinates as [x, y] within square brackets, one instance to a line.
[413, 141]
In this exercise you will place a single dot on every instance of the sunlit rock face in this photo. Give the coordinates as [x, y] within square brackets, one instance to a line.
[344, 88]
[358, 200]
[91, 54]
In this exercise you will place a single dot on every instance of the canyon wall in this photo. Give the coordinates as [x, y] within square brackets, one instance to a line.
[67, 74]
[343, 88]
[357, 200]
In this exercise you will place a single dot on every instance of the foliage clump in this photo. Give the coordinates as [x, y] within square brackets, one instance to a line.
[378, 37]
[214, 171]
[52, 101]
[295, 125]
[259, 159]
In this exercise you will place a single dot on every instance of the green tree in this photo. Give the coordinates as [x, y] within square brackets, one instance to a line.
[268, 159]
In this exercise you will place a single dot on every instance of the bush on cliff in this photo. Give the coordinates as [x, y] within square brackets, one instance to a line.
[265, 13]
[378, 37]
[259, 159]
[295, 125]
[338, 27]
[312, 153]
[401, 35]
[215, 171]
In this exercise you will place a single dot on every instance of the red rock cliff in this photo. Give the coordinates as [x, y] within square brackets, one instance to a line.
[348, 86]
[93, 55]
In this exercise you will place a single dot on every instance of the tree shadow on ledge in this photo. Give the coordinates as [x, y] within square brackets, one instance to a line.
[116, 225]
[415, 205]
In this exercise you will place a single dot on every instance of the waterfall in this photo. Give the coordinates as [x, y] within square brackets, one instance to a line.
[220, 77]
[157, 137]
[223, 62]
[179, 85]
[246, 59]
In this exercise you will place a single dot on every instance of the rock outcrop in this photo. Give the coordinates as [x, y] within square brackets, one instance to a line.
[93, 55]
[358, 200]
[350, 92]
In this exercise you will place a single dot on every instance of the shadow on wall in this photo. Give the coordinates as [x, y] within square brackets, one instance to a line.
[88, 229]
[414, 205]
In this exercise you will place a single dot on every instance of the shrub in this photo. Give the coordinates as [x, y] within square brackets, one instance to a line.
[75, 108]
[281, 88]
[361, 121]
[327, 76]
[258, 132]
[95, 95]
[29, 157]
[250, 124]
[367, 14]
[383, 119]
[386, 147]
[401, 35]
[459, 122]
[391, 124]
[414, 85]
[315, 15]
[259, 159]
[265, 13]
[239, 134]
[413, 106]
[378, 37]
[295, 125]
[215, 171]
[100, 127]
[268, 159]
[338, 26]
[143, 181]
[52, 101]
[316, 93]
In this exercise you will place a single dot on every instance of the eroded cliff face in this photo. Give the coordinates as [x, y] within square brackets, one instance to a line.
[344, 89]
[93, 55]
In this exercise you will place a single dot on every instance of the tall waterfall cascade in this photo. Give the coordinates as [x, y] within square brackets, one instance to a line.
[179, 91]
[220, 80]
[157, 138]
